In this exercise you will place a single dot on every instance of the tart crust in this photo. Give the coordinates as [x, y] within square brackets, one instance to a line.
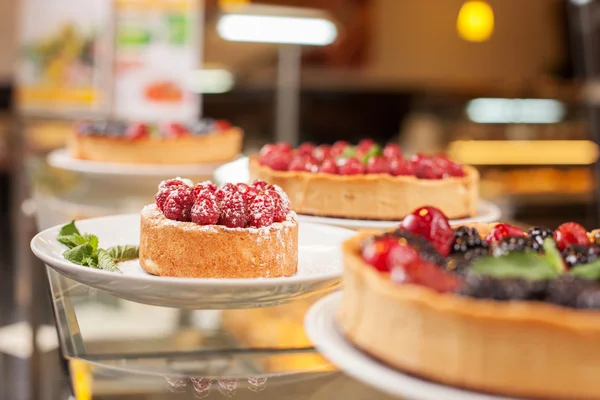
[185, 249]
[212, 147]
[372, 196]
[527, 349]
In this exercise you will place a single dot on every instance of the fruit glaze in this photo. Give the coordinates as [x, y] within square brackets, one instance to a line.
[140, 130]
[365, 158]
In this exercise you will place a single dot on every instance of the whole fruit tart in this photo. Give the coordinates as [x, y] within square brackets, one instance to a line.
[486, 307]
[366, 181]
[206, 141]
[205, 231]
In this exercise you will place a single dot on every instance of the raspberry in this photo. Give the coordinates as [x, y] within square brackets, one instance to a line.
[570, 233]
[303, 163]
[433, 225]
[260, 184]
[321, 152]
[426, 168]
[449, 167]
[281, 203]
[328, 166]
[178, 204]
[392, 151]
[500, 231]
[378, 165]
[305, 149]
[284, 147]
[250, 194]
[401, 167]
[174, 183]
[268, 149]
[261, 211]
[365, 145]
[241, 187]
[205, 211]
[233, 210]
[208, 185]
[204, 190]
[338, 148]
[161, 196]
[350, 166]
[175, 130]
[227, 188]
[137, 131]
[278, 161]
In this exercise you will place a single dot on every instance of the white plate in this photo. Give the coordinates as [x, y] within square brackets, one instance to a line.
[486, 212]
[63, 160]
[322, 331]
[237, 171]
[319, 270]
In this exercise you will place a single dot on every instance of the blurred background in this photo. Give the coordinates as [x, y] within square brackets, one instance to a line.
[509, 86]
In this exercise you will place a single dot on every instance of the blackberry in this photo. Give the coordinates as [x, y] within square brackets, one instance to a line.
[509, 244]
[458, 266]
[577, 254]
[477, 252]
[426, 249]
[465, 239]
[589, 298]
[488, 287]
[567, 289]
[537, 235]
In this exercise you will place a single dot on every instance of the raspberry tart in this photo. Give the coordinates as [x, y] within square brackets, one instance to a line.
[486, 307]
[235, 231]
[366, 181]
[207, 141]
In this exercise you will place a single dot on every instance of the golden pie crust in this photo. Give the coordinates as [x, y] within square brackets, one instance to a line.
[526, 349]
[372, 196]
[213, 147]
[185, 249]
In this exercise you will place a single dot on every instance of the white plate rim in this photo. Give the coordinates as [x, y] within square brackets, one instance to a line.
[60, 158]
[319, 325]
[55, 262]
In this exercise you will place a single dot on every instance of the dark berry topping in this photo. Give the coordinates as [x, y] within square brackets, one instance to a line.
[509, 244]
[465, 239]
[425, 248]
[488, 287]
[566, 290]
[577, 254]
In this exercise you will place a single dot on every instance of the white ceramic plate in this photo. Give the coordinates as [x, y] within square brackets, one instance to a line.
[319, 270]
[61, 159]
[237, 171]
[322, 331]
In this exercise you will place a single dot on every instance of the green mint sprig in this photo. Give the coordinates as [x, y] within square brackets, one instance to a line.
[84, 250]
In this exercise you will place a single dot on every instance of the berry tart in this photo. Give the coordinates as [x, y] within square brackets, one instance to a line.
[234, 231]
[486, 307]
[366, 181]
[207, 141]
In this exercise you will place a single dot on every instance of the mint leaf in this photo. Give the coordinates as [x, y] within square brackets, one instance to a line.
[587, 271]
[67, 235]
[68, 229]
[553, 256]
[71, 241]
[91, 261]
[124, 252]
[515, 265]
[374, 151]
[79, 253]
[106, 262]
[92, 240]
[348, 152]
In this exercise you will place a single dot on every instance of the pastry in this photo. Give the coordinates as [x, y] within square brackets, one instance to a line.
[207, 141]
[235, 231]
[366, 181]
[487, 307]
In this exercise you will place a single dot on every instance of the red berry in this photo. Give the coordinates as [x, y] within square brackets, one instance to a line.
[392, 151]
[350, 166]
[378, 165]
[284, 147]
[500, 231]
[281, 203]
[209, 185]
[365, 145]
[338, 148]
[426, 168]
[175, 130]
[321, 152]
[241, 187]
[279, 161]
[328, 166]
[426, 274]
[449, 167]
[222, 125]
[205, 211]
[376, 251]
[233, 210]
[570, 233]
[305, 149]
[260, 184]
[402, 167]
[303, 163]
[203, 192]
[261, 210]
[402, 255]
[173, 183]
[161, 196]
[137, 131]
[178, 204]
[433, 225]
[267, 149]
[250, 194]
